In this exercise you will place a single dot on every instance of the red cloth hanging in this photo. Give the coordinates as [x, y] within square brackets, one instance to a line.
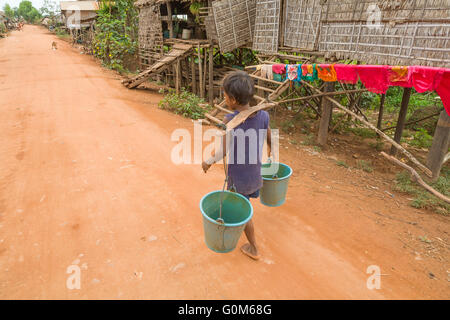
[443, 90]
[399, 76]
[374, 78]
[346, 73]
[279, 68]
[425, 78]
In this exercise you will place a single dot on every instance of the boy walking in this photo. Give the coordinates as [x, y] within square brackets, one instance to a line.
[245, 147]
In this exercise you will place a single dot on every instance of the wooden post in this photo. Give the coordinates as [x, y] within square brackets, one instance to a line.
[193, 72]
[200, 72]
[169, 18]
[205, 61]
[441, 142]
[401, 119]
[327, 109]
[211, 75]
[380, 113]
[177, 76]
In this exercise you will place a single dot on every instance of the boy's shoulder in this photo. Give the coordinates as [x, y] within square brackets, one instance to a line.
[262, 114]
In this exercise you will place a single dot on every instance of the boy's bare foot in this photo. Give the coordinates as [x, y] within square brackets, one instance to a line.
[250, 251]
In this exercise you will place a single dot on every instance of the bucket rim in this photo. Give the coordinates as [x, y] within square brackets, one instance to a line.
[279, 179]
[226, 224]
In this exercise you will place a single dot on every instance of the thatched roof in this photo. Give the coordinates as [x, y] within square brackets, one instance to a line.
[79, 5]
[146, 3]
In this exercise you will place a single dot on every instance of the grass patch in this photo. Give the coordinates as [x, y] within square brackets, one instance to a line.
[422, 198]
[341, 163]
[365, 166]
[363, 132]
[317, 148]
[287, 126]
[185, 103]
[378, 145]
[309, 140]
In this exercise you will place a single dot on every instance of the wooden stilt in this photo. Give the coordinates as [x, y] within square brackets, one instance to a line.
[211, 76]
[205, 61]
[401, 119]
[193, 75]
[200, 72]
[441, 141]
[380, 113]
[177, 76]
[327, 109]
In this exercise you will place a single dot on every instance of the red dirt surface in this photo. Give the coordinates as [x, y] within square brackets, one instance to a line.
[86, 179]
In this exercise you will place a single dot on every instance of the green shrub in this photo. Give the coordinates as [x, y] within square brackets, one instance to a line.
[185, 103]
[421, 139]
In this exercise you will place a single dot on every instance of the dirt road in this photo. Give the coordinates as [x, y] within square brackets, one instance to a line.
[86, 179]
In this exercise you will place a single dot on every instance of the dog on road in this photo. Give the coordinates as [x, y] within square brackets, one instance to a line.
[54, 45]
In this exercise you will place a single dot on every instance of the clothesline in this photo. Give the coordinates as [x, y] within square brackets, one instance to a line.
[376, 78]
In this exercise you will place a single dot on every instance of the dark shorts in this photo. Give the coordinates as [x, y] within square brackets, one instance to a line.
[253, 195]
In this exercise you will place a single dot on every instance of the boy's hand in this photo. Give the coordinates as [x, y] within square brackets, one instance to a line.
[205, 166]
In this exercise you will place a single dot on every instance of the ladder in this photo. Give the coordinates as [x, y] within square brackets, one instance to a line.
[178, 51]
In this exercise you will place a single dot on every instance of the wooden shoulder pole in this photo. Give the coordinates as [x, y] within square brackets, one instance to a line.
[441, 141]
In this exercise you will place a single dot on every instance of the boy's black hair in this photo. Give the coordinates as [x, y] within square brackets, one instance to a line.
[239, 86]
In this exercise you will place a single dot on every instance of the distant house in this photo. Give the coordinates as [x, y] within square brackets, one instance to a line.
[2, 17]
[79, 14]
[3, 22]
[46, 21]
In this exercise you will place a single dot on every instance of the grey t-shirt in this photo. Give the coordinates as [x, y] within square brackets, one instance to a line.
[244, 156]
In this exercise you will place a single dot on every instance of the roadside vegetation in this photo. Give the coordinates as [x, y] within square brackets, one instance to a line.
[185, 103]
[116, 36]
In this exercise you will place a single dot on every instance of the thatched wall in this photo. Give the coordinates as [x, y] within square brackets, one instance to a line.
[150, 34]
[267, 25]
[408, 31]
[235, 21]
[302, 23]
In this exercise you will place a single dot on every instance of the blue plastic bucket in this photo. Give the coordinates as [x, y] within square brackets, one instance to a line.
[236, 212]
[275, 184]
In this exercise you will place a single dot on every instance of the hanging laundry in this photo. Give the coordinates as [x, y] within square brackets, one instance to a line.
[309, 72]
[374, 78]
[399, 76]
[292, 71]
[425, 78]
[346, 73]
[266, 71]
[443, 90]
[279, 68]
[278, 77]
[326, 72]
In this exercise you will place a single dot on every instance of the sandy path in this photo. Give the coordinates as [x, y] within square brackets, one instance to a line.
[86, 179]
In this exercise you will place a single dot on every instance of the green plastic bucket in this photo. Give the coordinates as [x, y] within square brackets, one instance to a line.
[274, 189]
[236, 212]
